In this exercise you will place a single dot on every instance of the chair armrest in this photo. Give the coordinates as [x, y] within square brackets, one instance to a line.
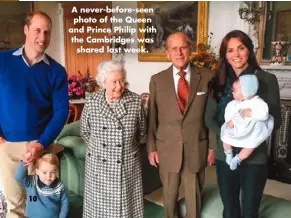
[71, 129]
[75, 144]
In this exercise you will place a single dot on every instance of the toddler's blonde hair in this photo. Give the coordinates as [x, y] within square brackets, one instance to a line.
[49, 158]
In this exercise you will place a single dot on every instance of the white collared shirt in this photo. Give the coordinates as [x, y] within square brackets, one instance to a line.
[19, 52]
[177, 77]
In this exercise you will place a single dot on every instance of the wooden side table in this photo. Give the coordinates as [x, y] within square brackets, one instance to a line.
[57, 149]
[75, 110]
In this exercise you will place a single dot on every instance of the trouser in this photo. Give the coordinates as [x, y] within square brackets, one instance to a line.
[250, 179]
[10, 155]
[183, 184]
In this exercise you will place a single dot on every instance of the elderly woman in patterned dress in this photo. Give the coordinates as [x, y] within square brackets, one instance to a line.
[113, 125]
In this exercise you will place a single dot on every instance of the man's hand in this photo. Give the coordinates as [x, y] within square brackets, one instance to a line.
[210, 157]
[33, 151]
[153, 158]
[229, 124]
[2, 140]
[247, 112]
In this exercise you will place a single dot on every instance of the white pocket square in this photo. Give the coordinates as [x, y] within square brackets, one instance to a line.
[200, 93]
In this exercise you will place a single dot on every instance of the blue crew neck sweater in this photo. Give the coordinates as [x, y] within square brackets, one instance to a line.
[42, 201]
[33, 100]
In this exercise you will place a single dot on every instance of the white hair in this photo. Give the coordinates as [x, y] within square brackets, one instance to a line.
[107, 67]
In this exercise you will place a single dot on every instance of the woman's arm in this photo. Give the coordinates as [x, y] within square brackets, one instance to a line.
[273, 98]
[85, 130]
[210, 122]
[210, 114]
[142, 125]
[259, 110]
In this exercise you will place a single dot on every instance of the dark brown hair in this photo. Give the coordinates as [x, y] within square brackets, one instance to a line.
[224, 66]
[34, 13]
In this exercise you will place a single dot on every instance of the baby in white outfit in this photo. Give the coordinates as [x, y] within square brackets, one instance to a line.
[247, 121]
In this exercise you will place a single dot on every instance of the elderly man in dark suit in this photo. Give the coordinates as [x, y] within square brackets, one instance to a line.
[177, 138]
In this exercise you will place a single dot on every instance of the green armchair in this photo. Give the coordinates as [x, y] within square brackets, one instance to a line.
[73, 163]
[73, 158]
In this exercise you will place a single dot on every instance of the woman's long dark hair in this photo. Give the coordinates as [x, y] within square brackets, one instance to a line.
[218, 83]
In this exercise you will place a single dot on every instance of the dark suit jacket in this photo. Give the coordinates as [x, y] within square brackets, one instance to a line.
[169, 130]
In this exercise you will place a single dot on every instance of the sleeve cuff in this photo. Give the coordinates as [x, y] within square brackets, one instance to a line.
[43, 143]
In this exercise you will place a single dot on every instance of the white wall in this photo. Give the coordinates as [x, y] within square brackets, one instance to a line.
[223, 17]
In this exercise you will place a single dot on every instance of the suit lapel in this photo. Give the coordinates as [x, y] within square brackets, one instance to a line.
[194, 82]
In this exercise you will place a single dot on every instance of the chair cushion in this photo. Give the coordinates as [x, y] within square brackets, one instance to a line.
[71, 129]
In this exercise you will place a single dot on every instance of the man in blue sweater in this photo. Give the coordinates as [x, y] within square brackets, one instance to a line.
[33, 105]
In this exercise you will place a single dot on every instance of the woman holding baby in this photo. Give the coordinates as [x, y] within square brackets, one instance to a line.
[241, 167]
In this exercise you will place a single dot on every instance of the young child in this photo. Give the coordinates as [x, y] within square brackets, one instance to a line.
[46, 195]
[247, 120]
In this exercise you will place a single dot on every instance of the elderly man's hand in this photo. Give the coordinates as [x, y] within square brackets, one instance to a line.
[33, 151]
[2, 140]
[153, 158]
[210, 157]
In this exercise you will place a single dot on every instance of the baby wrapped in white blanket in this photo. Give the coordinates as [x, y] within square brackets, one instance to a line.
[247, 120]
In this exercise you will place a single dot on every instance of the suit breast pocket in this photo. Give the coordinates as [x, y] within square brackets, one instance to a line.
[201, 93]
[201, 97]
[199, 104]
